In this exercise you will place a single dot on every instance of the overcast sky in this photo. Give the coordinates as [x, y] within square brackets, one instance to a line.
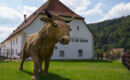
[12, 11]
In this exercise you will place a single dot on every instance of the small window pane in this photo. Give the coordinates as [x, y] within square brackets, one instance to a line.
[55, 47]
[16, 40]
[61, 53]
[80, 53]
[77, 28]
[77, 40]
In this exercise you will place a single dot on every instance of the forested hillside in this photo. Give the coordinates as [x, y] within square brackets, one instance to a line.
[113, 33]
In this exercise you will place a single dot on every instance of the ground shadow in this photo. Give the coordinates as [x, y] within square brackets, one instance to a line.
[84, 61]
[50, 76]
[30, 73]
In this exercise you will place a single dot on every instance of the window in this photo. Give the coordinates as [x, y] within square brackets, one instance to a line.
[16, 40]
[61, 53]
[83, 40]
[55, 47]
[70, 29]
[77, 40]
[12, 53]
[77, 28]
[11, 41]
[73, 40]
[80, 53]
[86, 40]
[19, 54]
[16, 51]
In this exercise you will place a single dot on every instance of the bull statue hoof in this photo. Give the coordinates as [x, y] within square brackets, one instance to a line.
[40, 70]
[20, 69]
[35, 77]
[45, 73]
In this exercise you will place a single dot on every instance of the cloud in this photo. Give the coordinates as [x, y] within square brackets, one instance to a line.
[29, 10]
[76, 4]
[9, 13]
[10, 17]
[5, 31]
[82, 8]
[94, 11]
[121, 9]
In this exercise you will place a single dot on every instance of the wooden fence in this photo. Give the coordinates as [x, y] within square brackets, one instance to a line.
[126, 60]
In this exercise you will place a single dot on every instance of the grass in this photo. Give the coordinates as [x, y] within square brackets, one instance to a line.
[71, 70]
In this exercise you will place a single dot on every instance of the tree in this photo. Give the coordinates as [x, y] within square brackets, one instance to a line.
[115, 32]
[98, 54]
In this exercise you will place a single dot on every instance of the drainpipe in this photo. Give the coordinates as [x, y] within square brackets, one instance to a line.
[11, 50]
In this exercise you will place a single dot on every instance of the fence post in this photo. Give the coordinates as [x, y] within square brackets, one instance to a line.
[126, 60]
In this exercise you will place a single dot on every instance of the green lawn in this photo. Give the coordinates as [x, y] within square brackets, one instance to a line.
[71, 70]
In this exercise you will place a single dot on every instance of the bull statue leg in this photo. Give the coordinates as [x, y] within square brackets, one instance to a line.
[36, 68]
[22, 61]
[40, 65]
[45, 72]
[23, 57]
[47, 60]
[21, 64]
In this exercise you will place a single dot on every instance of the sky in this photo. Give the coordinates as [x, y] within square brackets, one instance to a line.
[12, 11]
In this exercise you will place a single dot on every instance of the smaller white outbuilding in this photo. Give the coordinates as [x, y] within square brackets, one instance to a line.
[81, 45]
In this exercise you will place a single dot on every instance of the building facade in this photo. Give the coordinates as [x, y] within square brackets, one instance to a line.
[80, 46]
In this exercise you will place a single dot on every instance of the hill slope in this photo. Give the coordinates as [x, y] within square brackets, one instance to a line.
[113, 33]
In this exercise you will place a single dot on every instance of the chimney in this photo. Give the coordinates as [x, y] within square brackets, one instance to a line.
[34, 13]
[25, 18]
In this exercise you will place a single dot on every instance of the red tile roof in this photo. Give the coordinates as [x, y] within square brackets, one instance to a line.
[54, 7]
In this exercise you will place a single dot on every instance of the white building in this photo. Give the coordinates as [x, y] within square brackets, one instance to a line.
[80, 47]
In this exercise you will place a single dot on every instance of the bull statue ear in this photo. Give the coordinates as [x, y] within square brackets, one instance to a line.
[44, 19]
[68, 21]
[48, 14]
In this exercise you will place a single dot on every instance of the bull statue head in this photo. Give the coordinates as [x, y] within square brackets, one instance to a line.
[56, 28]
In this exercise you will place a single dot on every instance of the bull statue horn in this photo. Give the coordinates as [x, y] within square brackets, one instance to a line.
[48, 14]
[68, 21]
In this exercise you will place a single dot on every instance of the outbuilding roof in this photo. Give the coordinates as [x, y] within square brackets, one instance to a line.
[55, 7]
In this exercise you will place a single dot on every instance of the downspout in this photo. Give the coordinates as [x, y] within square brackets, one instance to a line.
[11, 50]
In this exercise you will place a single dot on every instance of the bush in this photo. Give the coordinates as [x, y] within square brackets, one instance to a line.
[98, 54]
